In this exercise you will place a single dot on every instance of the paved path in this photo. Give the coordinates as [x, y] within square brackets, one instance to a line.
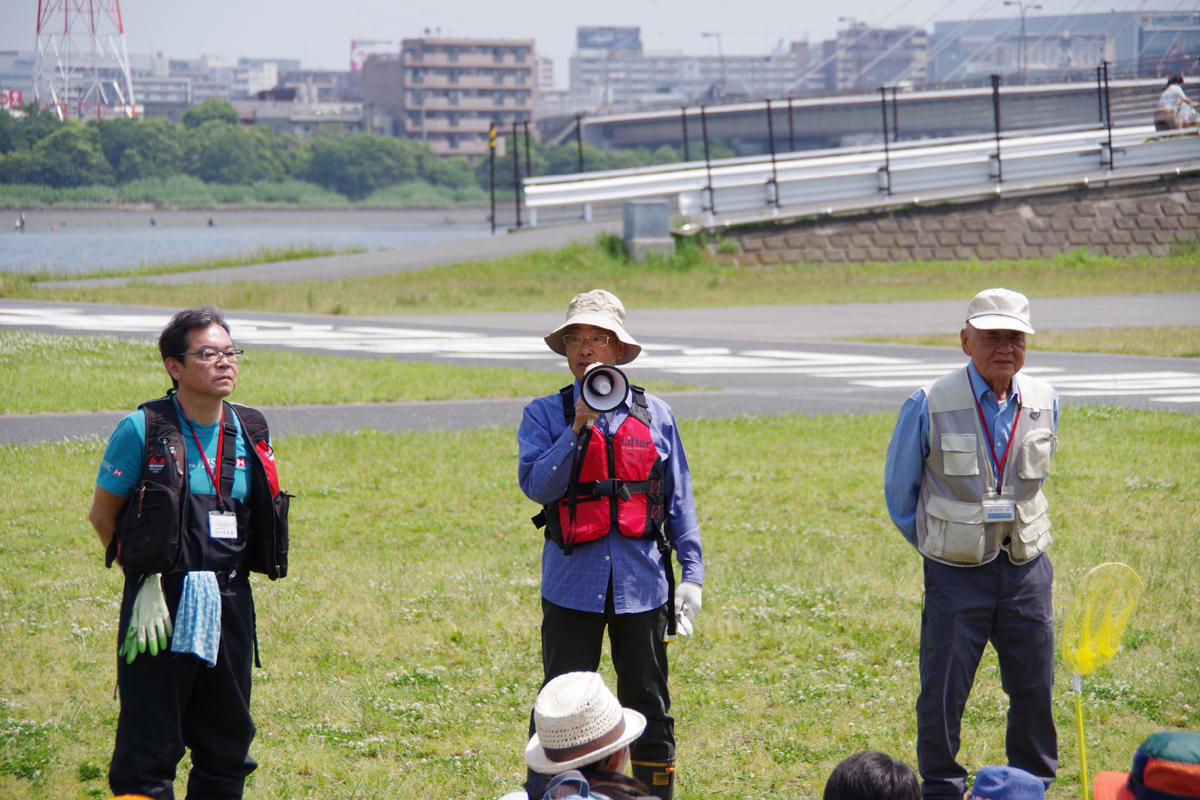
[379, 262]
[763, 360]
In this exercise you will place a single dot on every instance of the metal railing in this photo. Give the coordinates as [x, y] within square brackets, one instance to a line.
[892, 173]
[738, 190]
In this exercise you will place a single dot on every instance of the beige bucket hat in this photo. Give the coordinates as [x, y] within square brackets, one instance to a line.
[578, 721]
[999, 309]
[599, 308]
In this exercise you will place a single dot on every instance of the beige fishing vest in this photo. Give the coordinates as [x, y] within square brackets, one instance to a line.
[958, 473]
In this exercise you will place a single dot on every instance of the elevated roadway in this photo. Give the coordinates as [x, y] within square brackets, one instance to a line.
[837, 121]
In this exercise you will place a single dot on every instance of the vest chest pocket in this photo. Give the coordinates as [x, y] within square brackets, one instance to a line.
[954, 531]
[960, 454]
[1033, 463]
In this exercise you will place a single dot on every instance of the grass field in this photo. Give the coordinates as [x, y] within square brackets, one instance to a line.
[548, 280]
[1180, 342]
[400, 655]
[106, 373]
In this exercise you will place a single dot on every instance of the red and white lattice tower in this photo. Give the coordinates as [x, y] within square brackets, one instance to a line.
[81, 68]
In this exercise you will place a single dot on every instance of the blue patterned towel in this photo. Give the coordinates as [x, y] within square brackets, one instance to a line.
[198, 620]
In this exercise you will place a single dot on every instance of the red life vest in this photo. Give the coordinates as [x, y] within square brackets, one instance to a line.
[616, 482]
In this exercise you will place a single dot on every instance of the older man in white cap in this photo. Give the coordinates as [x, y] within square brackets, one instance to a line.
[963, 483]
[617, 499]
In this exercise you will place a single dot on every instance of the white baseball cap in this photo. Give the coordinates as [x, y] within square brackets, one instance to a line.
[999, 309]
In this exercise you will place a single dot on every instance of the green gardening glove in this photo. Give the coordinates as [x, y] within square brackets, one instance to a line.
[150, 622]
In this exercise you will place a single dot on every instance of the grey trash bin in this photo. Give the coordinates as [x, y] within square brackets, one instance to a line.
[648, 228]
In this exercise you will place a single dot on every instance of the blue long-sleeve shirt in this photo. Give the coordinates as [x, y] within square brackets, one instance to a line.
[909, 446]
[580, 581]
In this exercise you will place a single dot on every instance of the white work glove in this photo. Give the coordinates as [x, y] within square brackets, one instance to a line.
[687, 606]
[150, 622]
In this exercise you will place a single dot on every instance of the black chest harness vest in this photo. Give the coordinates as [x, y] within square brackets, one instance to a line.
[164, 527]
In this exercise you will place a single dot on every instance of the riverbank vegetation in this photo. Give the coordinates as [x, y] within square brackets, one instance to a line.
[401, 658]
[211, 159]
[547, 280]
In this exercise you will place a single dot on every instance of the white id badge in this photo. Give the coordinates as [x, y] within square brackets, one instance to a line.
[222, 524]
[996, 509]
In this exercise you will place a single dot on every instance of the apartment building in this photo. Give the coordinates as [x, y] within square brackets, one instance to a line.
[868, 58]
[449, 92]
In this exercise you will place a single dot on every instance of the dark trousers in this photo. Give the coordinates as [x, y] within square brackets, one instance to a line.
[965, 608]
[175, 700]
[572, 642]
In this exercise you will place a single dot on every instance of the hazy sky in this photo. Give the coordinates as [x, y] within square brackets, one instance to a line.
[318, 32]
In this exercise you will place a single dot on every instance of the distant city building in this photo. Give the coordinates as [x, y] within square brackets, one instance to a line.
[159, 93]
[609, 64]
[448, 92]
[545, 73]
[361, 50]
[305, 120]
[867, 58]
[280, 64]
[322, 86]
[16, 72]
[1145, 43]
[248, 81]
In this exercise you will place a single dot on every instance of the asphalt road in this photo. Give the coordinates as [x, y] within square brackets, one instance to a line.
[756, 360]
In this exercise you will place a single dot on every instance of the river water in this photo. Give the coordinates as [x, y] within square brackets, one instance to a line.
[76, 241]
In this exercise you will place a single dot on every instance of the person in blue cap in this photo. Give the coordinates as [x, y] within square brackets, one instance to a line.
[1006, 783]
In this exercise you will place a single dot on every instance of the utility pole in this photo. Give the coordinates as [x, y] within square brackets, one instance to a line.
[1022, 49]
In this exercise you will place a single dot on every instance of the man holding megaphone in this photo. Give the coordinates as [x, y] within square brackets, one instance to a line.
[605, 461]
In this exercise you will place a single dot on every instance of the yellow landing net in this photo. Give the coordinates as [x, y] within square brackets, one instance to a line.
[1093, 630]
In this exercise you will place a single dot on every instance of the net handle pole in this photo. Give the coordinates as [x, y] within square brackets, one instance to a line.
[1077, 685]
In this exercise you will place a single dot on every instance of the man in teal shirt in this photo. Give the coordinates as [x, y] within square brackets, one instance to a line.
[214, 463]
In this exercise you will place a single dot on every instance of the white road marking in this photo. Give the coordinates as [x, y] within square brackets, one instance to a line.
[880, 372]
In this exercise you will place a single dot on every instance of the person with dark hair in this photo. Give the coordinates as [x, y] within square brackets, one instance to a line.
[187, 502]
[580, 747]
[1174, 107]
[871, 775]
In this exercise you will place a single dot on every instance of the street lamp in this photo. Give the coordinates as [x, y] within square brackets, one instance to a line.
[1022, 6]
[721, 53]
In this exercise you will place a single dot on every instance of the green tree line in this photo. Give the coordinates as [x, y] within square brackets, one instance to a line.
[212, 145]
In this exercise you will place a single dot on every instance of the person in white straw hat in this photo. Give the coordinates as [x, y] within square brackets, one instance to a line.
[582, 735]
[616, 494]
[963, 483]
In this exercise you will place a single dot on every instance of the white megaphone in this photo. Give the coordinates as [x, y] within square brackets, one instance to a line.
[603, 388]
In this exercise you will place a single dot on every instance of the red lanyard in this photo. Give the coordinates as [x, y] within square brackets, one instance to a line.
[214, 476]
[988, 433]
